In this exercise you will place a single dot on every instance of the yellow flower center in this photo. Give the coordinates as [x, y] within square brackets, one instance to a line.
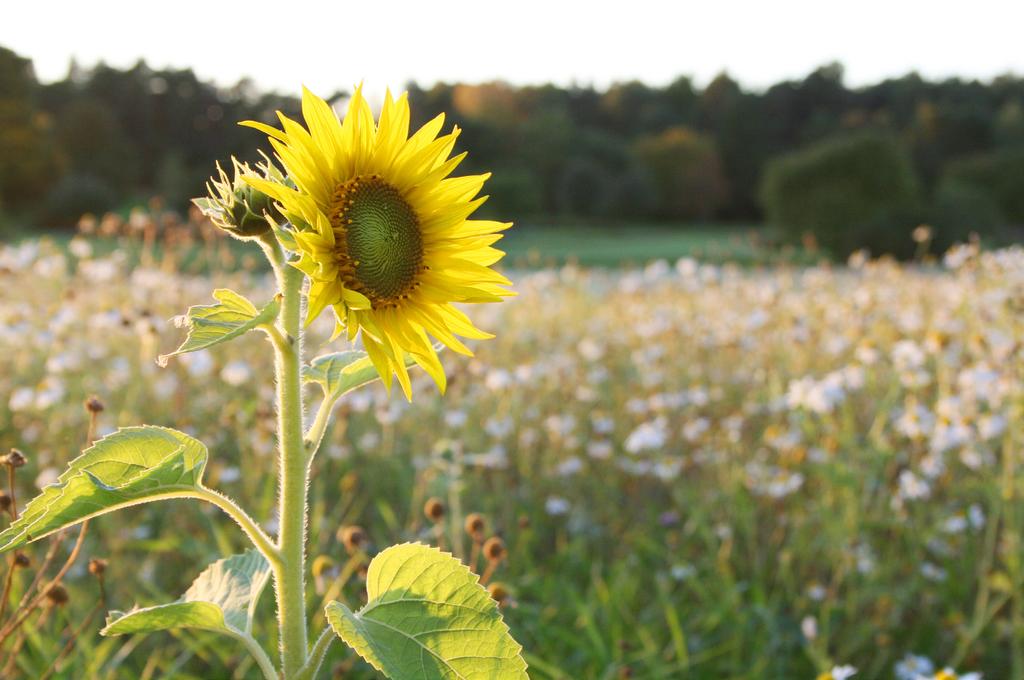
[377, 237]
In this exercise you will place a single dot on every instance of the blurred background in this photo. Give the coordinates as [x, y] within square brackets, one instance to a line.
[676, 125]
[757, 412]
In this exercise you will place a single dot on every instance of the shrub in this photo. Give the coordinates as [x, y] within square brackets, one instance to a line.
[851, 192]
[960, 209]
[75, 195]
[998, 175]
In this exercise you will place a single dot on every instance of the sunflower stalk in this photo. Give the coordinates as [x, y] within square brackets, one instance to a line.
[289, 572]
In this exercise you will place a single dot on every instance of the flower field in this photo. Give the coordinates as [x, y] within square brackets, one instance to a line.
[698, 471]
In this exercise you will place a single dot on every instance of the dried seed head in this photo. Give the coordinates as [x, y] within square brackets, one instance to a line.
[94, 405]
[97, 566]
[499, 592]
[353, 537]
[21, 560]
[15, 458]
[434, 509]
[321, 565]
[494, 549]
[475, 526]
[5, 501]
[57, 595]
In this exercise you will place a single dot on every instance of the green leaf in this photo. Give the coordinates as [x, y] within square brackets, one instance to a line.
[428, 617]
[341, 372]
[134, 465]
[222, 599]
[210, 325]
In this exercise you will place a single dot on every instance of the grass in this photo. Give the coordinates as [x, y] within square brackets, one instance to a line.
[535, 245]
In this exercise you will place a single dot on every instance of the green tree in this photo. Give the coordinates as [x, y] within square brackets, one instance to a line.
[27, 162]
[686, 172]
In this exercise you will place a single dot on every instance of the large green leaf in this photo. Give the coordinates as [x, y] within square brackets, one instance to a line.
[428, 617]
[210, 325]
[134, 465]
[223, 599]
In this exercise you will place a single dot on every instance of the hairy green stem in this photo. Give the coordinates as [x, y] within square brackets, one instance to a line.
[248, 525]
[258, 653]
[316, 431]
[289, 574]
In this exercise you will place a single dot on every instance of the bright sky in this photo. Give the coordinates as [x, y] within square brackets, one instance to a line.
[331, 45]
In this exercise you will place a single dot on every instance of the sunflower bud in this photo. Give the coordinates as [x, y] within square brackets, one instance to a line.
[237, 208]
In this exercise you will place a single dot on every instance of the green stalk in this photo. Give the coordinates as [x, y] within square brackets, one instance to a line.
[289, 574]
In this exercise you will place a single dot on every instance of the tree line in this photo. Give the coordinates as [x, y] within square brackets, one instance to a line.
[104, 137]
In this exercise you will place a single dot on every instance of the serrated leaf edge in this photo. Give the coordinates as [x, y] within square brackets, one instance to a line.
[334, 604]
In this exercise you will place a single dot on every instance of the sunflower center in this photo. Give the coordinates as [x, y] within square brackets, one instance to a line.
[380, 247]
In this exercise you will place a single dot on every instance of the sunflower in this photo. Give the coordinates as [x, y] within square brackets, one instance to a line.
[383, 233]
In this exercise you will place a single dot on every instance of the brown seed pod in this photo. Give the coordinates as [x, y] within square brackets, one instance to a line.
[57, 595]
[5, 501]
[94, 405]
[352, 537]
[15, 458]
[97, 566]
[21, 560]
[494, 549]
[434, 509]
[499, 592]
[476, 525]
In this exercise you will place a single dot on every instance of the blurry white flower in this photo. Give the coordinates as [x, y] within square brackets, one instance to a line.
[912, 666]
[648, 436]
[682, 572]
[912, 487]
[933, 572]
[816, 592]
[570, 466]
[236, 373]
[809, 627]
[455, 419]
[498, 379]
[556, 505]
[841, 672]
[21, 399]
[600, 450]
[80, 248]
